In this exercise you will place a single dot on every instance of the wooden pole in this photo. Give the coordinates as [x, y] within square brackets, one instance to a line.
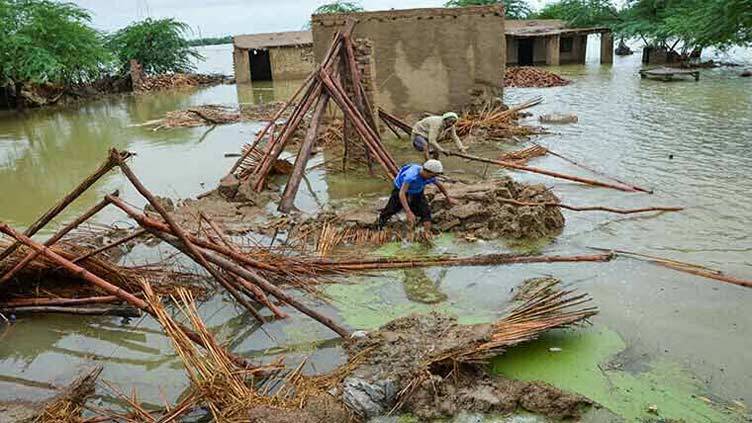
[120, 311]
[192, 251]
[43, 220]
[27, 302]
[590, 169]
[542, 172]
[112, 244]
[485, 260]
[258, 292]
[267, 286]
[591, 208]
[56, 237]
[84, 274]
[293, 182]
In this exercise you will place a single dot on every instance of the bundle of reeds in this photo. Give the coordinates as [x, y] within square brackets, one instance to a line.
[521, 157]
[495, 121]
[68, 406]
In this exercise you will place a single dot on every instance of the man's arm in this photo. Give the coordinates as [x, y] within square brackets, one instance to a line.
[457, 140]
[405, 204]
[443, 190]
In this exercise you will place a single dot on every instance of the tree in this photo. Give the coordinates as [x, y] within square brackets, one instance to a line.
[580, 13]
[513, 9]
[339, 7]
[159, 45]
[45, 41]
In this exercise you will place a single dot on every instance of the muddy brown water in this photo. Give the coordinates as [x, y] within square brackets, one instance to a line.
[689, 141]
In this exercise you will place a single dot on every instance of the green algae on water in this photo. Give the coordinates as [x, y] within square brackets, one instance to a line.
[581, 366]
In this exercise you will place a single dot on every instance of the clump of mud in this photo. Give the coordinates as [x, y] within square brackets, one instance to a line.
[482, 213]
[397, 354]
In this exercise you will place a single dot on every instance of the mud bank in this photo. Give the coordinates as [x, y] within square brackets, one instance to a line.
[480, 213]
[398, 372]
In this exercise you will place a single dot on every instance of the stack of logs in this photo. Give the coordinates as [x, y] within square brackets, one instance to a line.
[337, 75]
[532, 77]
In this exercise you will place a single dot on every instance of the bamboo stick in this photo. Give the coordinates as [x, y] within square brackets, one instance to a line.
[293, 182]
[590, 169]
[119, 311]
[693, 269]
[485, 260]
[258, 292]
[591, 208]
[43, 220]
[26, 302]
[542, 172]
[56, 237]
[267, 286]
[112, 244]
[399, 123]
[104, 285]
[180, 233]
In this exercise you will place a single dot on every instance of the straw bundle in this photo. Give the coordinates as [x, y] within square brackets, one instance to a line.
[494, 121]
[68, 406]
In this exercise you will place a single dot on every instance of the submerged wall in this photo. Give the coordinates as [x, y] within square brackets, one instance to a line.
[287, 62]
[427, 59]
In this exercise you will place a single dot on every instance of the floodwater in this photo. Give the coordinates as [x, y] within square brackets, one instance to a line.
[663, 338]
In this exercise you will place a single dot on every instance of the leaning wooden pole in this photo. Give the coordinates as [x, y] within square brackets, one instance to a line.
[113, 244]
[293, 182]
[43, 220]
[245, 273]
[550, 173]
[56, 237]
[193, 252]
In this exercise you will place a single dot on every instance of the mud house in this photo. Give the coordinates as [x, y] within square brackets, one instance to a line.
[278, 55]
[424, 59]
[550, 42]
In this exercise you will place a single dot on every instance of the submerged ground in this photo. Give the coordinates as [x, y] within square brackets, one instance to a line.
[663, 339]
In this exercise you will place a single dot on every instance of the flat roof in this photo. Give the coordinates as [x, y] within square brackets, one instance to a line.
[273, 39]
[546, 27]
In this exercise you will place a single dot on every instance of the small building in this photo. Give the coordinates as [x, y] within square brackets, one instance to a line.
[433, 59]
[550, 42]
[278, 55]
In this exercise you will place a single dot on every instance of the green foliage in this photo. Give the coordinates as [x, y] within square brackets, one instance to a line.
[339, 7]
[705, 23]
[48, 41]
[581, 13]
[513, 9]
[210, 41]
[158, 44]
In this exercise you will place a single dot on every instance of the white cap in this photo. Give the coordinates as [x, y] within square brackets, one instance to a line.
[450, 115]
[433, 166]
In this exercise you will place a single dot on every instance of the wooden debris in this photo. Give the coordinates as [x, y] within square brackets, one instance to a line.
[532, 77]
[593, 208]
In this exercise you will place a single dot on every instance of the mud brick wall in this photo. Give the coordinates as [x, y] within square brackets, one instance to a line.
[426, 59]
[291, 62]
[364, 61]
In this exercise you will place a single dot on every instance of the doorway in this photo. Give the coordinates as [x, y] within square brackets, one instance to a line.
[261, 65]
[525, 51]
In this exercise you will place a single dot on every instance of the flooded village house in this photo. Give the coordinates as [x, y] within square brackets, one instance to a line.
[278, 55]
[550, 42]
[424, 59]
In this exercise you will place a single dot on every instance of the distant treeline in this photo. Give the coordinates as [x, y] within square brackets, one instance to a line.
[210, 41]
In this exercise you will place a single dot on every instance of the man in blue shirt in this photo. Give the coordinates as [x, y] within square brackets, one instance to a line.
[408, 193]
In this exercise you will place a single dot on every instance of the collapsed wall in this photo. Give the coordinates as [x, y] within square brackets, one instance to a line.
[426, 59]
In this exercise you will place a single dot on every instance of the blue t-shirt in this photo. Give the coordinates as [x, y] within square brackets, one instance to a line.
[410, 173]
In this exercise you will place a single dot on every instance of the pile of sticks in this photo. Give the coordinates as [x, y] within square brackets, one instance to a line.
[532, 77]
[329, 81]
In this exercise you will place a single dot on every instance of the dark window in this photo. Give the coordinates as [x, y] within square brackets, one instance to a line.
[565, 45]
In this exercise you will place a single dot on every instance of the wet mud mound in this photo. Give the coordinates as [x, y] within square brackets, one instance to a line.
[402, 369]
[483, 212]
